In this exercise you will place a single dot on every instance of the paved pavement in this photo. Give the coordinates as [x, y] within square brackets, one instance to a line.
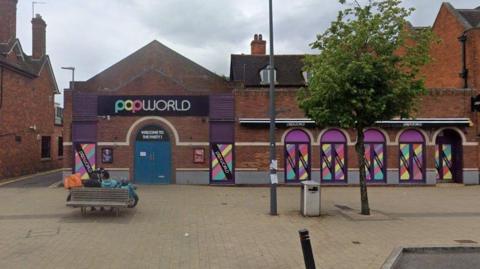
[36, 181]
[229, 227]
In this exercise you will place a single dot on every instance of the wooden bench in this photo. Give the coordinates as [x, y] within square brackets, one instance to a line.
[98, 197]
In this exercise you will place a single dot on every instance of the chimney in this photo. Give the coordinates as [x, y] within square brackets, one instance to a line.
[8, 20]
[38, 37]
[258, 45]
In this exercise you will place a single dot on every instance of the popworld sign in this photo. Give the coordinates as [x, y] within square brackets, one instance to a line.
[153, 105]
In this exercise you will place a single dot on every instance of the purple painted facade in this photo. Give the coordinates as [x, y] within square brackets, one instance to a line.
[297, 136]
[412, 157]
[333, 157]
[333, 135]
[297, 157]
[222, 107]
[222, 132]
[375, 156]
[372, 135]
[413, 136]
[84, 107]
[222, 139]
[83, 131]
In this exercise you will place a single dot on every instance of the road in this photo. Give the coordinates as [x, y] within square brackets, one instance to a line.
[36, 181]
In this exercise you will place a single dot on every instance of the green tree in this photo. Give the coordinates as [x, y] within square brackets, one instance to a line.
[367, 70]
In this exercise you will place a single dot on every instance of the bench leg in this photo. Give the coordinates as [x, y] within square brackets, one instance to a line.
[117, 211]
[83, 210]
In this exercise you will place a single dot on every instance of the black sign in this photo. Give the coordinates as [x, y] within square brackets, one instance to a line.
[223, 164]
[145, 105]
[86, 164]
[152, 133]
[475, 106]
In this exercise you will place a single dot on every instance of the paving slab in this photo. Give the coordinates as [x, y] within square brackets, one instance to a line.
[229, 227]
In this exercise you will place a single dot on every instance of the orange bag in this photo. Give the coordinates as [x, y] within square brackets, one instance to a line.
[72, 181]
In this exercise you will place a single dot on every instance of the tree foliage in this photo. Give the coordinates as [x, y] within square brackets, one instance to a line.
[368, 66]
[367, 69]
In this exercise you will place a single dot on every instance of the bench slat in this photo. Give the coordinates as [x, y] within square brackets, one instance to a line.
[81, 197]
[95, 203]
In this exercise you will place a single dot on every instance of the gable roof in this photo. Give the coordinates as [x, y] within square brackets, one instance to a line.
[246, 69]
[24, 64]
[163, 60]
[470, 18]
[471, 15]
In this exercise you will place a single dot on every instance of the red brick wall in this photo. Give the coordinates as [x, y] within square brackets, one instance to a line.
[253, 103]
[443, 71]
[27, 102]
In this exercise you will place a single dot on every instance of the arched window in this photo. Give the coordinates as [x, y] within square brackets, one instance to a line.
[297, 156]
[449, 156]
[333, 148]
[412, 156]
[375, 152]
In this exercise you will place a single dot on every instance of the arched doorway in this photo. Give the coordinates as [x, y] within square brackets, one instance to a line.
[297, 156]
[153, 156]
[333, 149]
[376, 168]
[412, 156]
[448, 156]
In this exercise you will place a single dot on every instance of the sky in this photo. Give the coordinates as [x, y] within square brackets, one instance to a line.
[92, 35]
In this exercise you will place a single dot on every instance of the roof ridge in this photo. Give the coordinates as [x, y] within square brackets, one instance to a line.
[457, 14]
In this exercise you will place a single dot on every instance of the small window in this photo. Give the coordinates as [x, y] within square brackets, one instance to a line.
[58, 115]
[306, 76]
[46, 147]
[265, 76]
[60, 146]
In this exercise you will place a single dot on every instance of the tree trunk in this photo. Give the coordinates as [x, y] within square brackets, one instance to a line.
[360, 148]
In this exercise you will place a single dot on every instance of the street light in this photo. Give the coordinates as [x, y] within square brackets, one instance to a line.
[73, 75]
[273, 158]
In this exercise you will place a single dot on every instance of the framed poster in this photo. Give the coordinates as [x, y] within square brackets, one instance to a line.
[107, 155]
[199, 155]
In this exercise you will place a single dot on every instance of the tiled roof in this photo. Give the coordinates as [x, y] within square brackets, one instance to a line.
[24, 64]
[156, 57]
[471, 15]
[246, 69]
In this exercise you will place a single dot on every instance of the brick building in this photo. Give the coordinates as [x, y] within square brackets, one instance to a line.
[156, 117]
[31, 139]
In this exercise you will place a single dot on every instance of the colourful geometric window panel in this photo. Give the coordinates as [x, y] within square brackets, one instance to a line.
[291, 164]
[339, 162]
[437, 162]
[404, 162]
[89, 150]
[368, 161]
[411, 162]
[333, 162]
[443, 161]
[297, 162]
[378, 162]
[417, 161]
[375, 163]
[303, 162]
[222, 162]
[327, 160]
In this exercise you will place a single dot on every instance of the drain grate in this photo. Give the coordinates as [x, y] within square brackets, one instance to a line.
[356, 242]
[463, 241]
[343, 207]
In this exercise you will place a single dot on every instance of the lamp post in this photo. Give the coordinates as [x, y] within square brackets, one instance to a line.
[73, 75]
[273, 161]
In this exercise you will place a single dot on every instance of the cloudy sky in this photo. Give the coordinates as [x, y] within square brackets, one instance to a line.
[94, 34]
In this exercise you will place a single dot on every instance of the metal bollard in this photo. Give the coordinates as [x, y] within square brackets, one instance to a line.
[307, 249]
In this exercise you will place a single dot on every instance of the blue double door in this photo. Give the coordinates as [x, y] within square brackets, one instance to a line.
[153, 162]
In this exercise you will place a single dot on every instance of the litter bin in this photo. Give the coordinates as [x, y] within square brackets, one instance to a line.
[310, 198]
